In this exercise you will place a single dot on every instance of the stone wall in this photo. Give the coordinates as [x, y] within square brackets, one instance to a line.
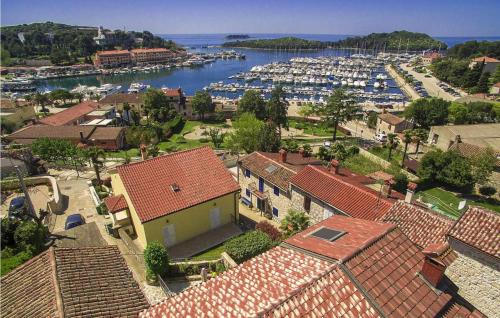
[477, 283]
[281, 202]
[318, 211]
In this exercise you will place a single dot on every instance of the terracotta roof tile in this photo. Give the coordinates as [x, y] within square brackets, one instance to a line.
[71, 114]
[248, 290]
[422, 226]
[391, 119]
[486, 59]
[343, 192]
[199, 174]
[66, 132]
[113, 52]
[116, 203]
[120, 98]
[479, 228]
[152, 50]
[172, 92]
[91, 282]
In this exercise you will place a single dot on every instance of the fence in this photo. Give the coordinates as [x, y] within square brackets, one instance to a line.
[164, 287]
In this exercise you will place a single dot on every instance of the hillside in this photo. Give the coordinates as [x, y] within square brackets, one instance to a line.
[66, 44]
[285, 43]
[391, 41]
[475, 48]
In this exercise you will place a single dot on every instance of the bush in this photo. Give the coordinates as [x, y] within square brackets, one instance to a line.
[294, 222]
[8, 228]
[487, 190]
[30, 236]
[269, 229]
[400, 182]
[352, 151]
[248, 245]
[156, 258]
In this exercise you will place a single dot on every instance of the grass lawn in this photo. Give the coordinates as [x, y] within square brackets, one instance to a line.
[383, 153]
[189, 125]
[447, 202]
[133, 152]
[210, 254]
[178, 142]
[361, 165]
[9, 263]
[316, 129]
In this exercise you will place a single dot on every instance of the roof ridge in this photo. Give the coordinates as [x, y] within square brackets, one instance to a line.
[370, 242]
[277, 162]
[55, 280]
[426, 210]
[160, 157]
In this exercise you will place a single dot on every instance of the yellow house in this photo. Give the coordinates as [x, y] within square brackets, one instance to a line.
[175, 197]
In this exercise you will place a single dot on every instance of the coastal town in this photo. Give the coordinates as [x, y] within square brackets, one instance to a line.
[247, 175]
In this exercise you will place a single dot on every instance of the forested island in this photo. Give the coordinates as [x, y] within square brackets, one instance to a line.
[397, 40]
[68, 44]
[455, 67]
[285, 43]
[237, 36]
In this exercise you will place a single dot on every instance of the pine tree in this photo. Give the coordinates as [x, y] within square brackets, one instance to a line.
[483, 85]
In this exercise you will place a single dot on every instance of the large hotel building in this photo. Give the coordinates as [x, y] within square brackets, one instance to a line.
[135, 56]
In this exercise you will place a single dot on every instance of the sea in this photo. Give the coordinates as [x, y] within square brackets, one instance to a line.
[194, 79]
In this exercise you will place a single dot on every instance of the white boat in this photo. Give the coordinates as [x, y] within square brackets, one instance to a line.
[108, 89]
[137, 87]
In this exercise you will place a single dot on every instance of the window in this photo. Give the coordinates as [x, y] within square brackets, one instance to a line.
[275, 212]
[247, 192]
[276, 191]
[307, 203]
[247, 173]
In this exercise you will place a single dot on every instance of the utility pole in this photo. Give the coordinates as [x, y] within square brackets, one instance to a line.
[25, 190]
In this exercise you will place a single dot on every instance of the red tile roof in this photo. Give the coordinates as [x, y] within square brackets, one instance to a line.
[172, 92]
[359, 234]
[422, 226]
[116, 203]
[71, 114]
[152, 50]
[248, 290]
[391, 119]
[387, 271]
[343, 192]
[486, 59]
[479, 228]
[72, 282]
[113, 52]
[199, 173]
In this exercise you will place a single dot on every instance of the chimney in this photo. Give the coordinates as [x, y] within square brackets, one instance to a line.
[433, 268]
[458, 139]
[302, 152]
[334, 166]
[282, 157]
[410, 191]
[387, 188]
[144, 152]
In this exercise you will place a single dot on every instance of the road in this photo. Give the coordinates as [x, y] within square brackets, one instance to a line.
[430, 84]
[405, 87]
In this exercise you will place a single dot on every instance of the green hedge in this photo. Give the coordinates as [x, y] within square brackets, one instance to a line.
[248, 245]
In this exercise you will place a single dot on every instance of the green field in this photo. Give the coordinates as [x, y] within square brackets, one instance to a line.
[210, 254]
[383, 152]
[361, 165]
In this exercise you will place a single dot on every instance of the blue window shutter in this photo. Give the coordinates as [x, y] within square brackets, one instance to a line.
[247, 173]
[247, 191]
[275, 212]
[276, 191]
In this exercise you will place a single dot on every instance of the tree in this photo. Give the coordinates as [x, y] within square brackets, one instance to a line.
[458, 113]
[217, 136]
[269, 138]
[419, 135]
[427, 112]
[291, 145]
[126, 111]
[135, 116]
[407, 138]
[483, 165]
[392, 143]
[202, 103]
[8, 228]
[495, 77]
[96, 155]
[485, 190]
[269, 229]
[246, 134]
[482, 84]
[277, 109]
[157, 106]
[307, 150]
[252, 102]
[372, 120]
[339, 108]
[306, 110]
[30, 236]
[41, 100]
[153, 150]
[156, 258]
[294, 222]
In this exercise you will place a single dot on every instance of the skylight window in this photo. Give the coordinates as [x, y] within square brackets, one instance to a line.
[271, 169]
[175, 187]
[328, 234]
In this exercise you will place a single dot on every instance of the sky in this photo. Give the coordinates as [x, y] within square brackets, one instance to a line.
[353, 17]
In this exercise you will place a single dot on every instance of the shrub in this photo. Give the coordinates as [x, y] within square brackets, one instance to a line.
[401, 181]
[156, 258]
[30, 235]
[8, 228]
[487, 190]
[248, 245]
[269, 229]
[294, 222]
[352, 151]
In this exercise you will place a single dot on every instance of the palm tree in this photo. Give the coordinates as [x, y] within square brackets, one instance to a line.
[295, 221]
[407, 138]
[419, 136]
[95, 154]
[126, 110]
[392, 142]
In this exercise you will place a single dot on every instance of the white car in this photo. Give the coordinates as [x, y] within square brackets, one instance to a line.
[381, 137]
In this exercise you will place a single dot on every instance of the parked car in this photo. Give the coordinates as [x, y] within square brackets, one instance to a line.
[18, 208]
[74, 220]
[381, 137]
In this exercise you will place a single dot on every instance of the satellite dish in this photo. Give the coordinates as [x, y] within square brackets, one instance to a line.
[462, 204]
